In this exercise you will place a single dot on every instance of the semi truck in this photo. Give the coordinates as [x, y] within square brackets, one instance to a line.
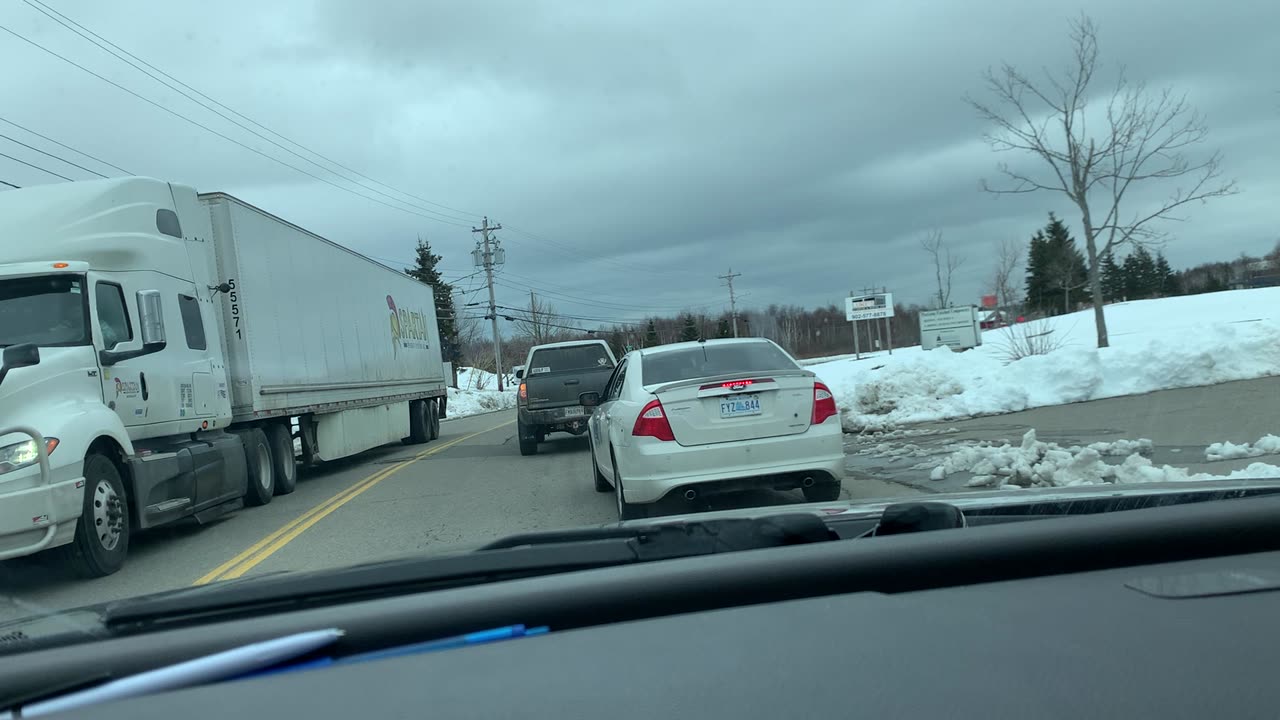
[169, 355]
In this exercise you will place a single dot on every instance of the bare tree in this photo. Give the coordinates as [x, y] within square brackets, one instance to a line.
[944, 264]
[1004, 281]
[539, 321]
[1142, 139]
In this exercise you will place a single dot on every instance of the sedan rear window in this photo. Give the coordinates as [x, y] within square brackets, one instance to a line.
[566, 359]
[710, 360]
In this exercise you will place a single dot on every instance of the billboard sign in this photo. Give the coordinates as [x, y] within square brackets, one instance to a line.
[958, 328]
[868, 307]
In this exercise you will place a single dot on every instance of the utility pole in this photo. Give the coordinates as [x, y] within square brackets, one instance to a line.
[733, 302]
[484, 254]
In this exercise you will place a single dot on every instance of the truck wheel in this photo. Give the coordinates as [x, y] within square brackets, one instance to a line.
[419, 423]
[283, 462]
[262, 476]
[102, 533]
[528, 442]
[433, 419]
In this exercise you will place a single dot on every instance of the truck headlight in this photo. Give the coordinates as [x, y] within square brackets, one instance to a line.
[22, 454]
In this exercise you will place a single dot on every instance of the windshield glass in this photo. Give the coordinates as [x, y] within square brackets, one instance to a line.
[388, 280]
[45, 311]
[565, 359]
[713, 360]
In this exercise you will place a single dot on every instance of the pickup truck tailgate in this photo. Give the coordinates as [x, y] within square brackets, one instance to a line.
[549, 390]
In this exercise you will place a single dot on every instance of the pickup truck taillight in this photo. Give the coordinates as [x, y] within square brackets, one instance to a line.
[524, 392]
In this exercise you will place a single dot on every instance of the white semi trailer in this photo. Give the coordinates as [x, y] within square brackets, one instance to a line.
[162, 349]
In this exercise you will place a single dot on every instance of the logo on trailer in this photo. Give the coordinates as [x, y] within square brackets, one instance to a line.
[408, 327]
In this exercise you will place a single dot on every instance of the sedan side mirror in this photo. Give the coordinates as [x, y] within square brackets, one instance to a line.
[589, 399]
[519, 373]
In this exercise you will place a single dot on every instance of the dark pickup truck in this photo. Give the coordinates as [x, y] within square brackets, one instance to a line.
[553, 377]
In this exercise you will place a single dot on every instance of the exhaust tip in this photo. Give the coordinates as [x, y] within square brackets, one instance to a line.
[807, 482]
[690, 494]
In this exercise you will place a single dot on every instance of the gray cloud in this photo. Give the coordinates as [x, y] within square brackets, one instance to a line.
[648, 146]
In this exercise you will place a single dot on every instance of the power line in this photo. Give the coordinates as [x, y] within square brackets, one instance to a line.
[64, 145]
[647, 308]
[6, 182]
[210, 130]
[37, 167]
[15, 141]
[573, 317]
[147, 68]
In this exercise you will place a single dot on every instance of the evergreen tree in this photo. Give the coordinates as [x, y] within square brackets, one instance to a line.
[690, 330]
[1166, 280]
[723, 330]
[1113, 286]
[1056, 274]
[424, 271]
[1140, 277]
[651, 335]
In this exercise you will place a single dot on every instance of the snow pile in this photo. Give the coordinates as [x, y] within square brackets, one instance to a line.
[1266, 445]
[1156, 344]
[470, 378]
[464, 402]
[1040, 464]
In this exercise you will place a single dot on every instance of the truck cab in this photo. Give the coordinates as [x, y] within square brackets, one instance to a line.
[113, 390]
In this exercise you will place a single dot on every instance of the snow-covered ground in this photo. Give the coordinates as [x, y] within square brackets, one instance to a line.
[1035, 463]
[1266, 445]
[1155, 344]
[477, 392]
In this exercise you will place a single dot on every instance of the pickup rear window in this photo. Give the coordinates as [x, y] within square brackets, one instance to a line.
[712, 360]
[567, 359]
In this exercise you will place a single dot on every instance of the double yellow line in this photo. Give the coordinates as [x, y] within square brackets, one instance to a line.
[269, 545]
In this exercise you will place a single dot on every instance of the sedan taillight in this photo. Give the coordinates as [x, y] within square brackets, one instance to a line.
[653, 423]
[824, 404]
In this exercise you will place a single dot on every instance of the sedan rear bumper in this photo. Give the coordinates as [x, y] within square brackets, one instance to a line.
[652, 468]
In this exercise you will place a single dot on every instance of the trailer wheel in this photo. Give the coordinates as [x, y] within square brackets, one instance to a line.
[419, 423]
[433, 419]
[283, 461]
[102, 532]
[262, 474]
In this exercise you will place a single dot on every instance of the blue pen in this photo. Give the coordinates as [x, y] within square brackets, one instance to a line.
[476, 638]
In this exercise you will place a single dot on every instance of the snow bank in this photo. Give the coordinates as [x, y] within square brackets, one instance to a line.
[1040, 464]
[1266, 445]
[1156, 345]
[464, 402]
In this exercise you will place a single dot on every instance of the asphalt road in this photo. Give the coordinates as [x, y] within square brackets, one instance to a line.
[472, 486]
[469, 487]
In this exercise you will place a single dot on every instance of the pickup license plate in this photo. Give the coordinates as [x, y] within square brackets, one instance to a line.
[739, 405]
[571, 412]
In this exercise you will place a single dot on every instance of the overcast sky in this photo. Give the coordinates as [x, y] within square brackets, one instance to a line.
[633, 151]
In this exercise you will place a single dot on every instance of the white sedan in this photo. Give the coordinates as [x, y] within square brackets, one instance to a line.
[713, 416]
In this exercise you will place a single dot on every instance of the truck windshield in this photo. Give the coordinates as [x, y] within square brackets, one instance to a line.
[565, 359]
[46, 311]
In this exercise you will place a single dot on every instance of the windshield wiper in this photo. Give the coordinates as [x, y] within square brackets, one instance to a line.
[519, 556]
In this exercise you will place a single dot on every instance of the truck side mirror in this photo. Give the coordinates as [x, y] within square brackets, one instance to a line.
[589, 399]
[16, 356]
[151, 317]
[519, 373]
[24, 355]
